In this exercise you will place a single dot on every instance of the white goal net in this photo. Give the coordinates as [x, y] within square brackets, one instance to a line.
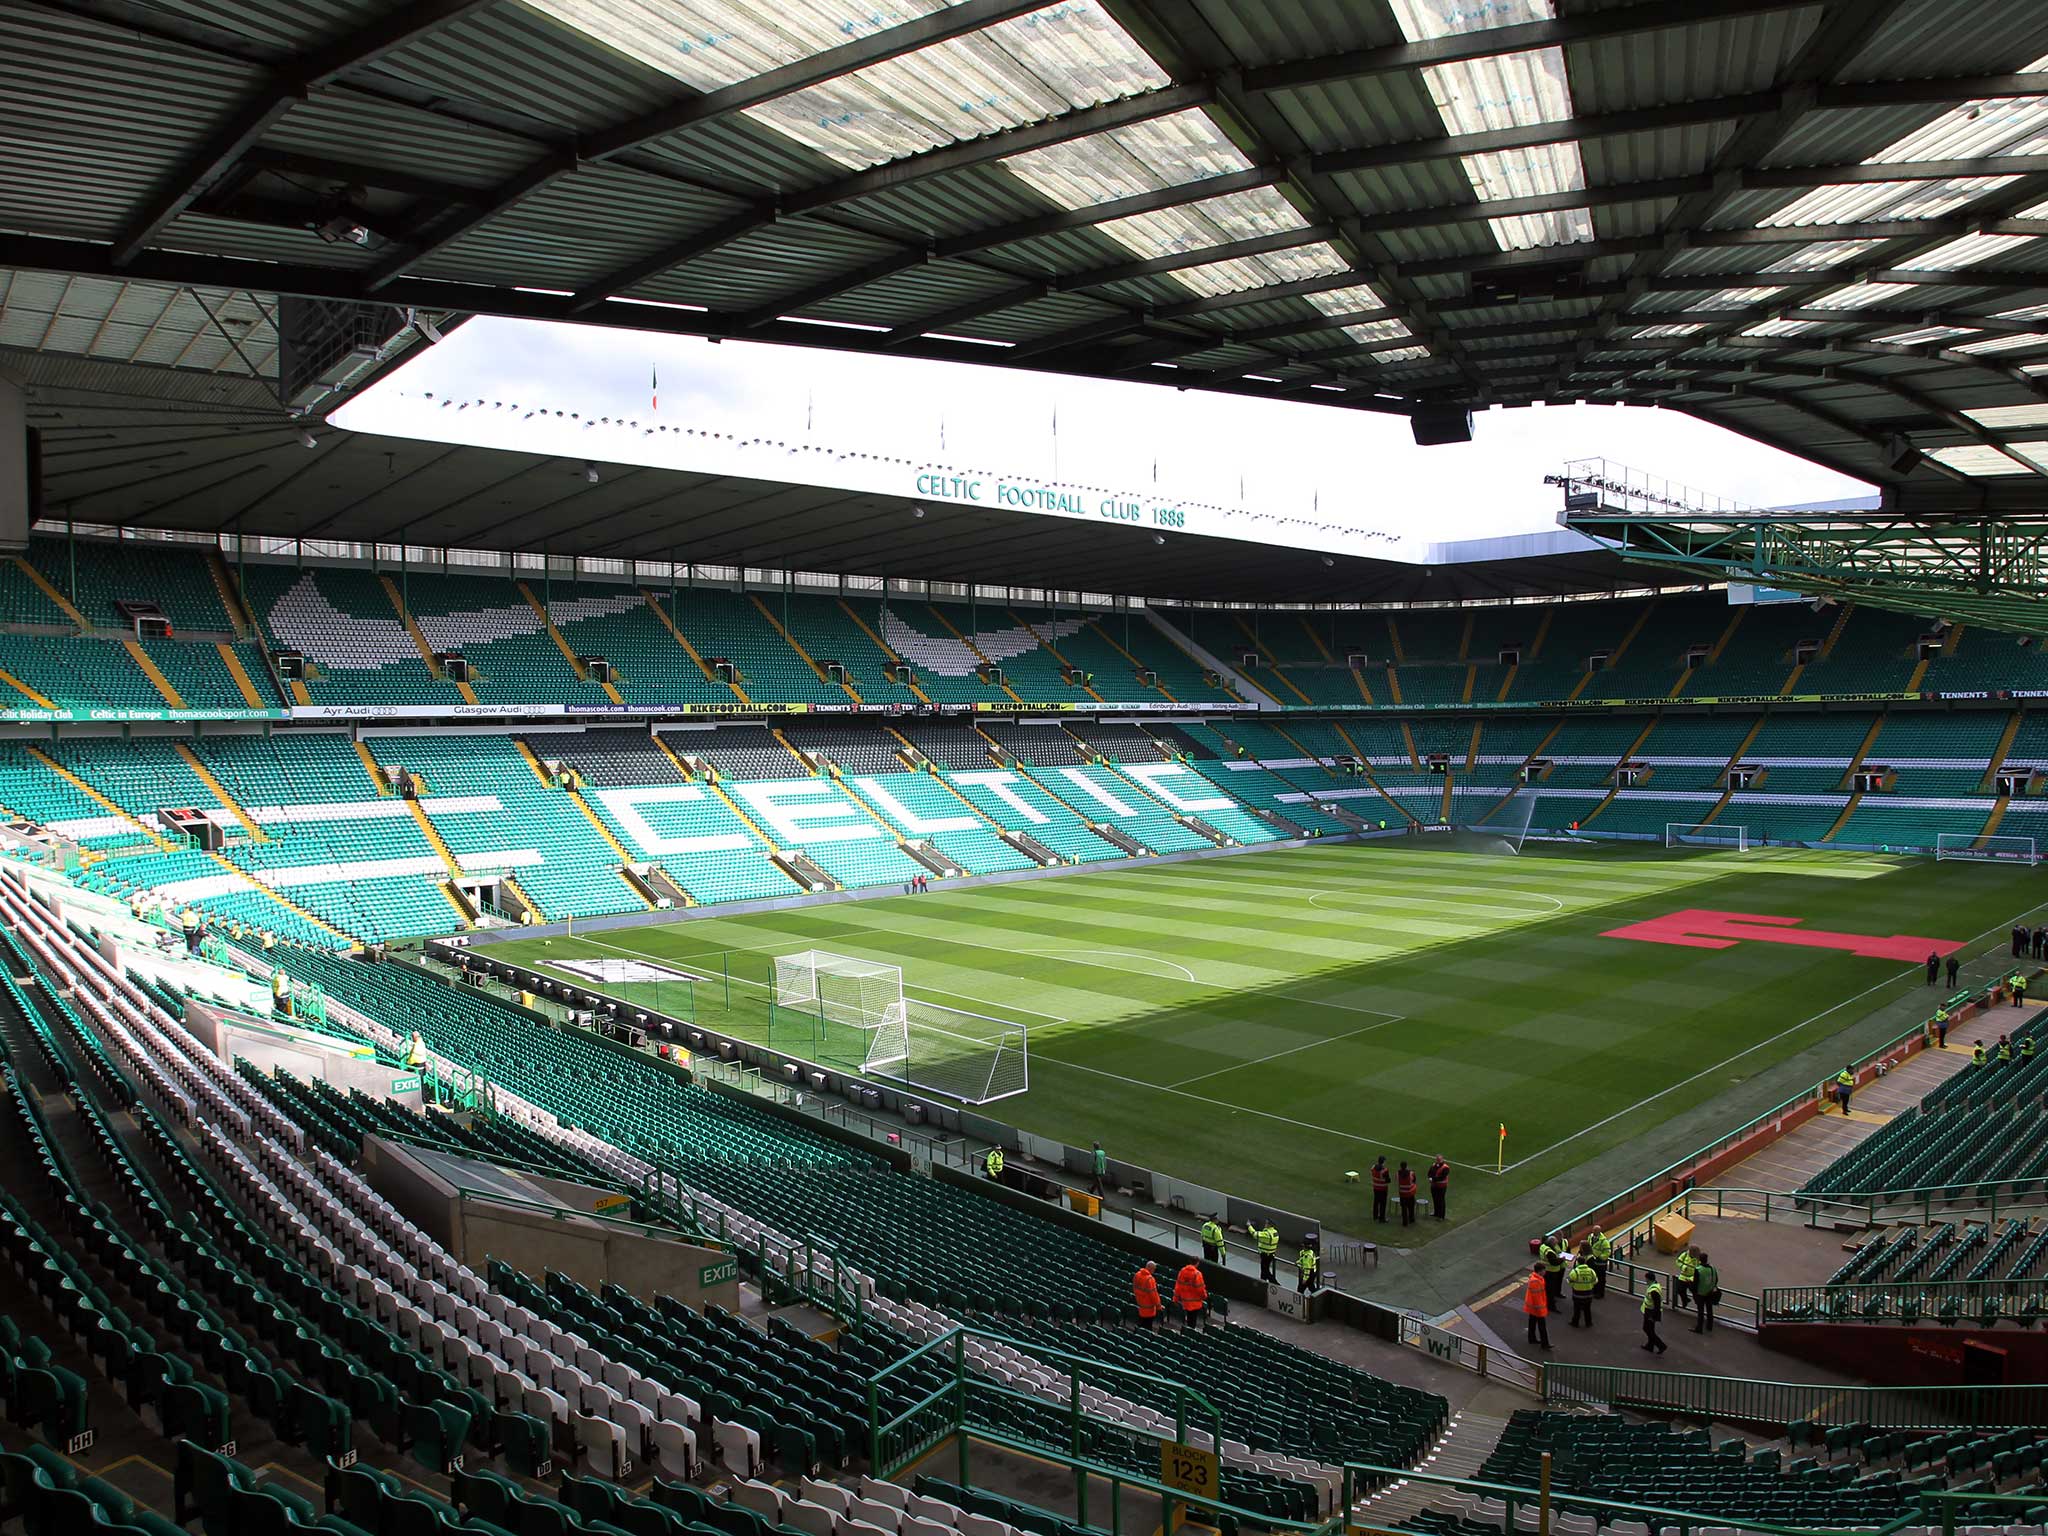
[1995, 849]
[1706, 834]
[844, 1012]
[857, 1006]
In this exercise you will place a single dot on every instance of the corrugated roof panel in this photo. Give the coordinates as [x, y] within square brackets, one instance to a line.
[96, 119]
[1985, 462]
[1701, 60]
[1350, 114]
[350, 126]
[263, 242]
[1268, 31]
[518, 60]
[1166, 151]
[579, 228]
[2004, 343]
[928, 289]
[1938, 37]
[1021, 71]
[1969, 251]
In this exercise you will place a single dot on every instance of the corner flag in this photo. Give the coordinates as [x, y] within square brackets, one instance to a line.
[1500, 1151]
[654, 389]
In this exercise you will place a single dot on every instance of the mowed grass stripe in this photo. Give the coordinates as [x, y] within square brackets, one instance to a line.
[1280, 1068]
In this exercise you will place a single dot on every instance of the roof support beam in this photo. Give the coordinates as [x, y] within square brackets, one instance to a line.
[938, 26]
[1063, 129]
[1682, 114]
[1059, 222]
[1461, 47]
[291, 83]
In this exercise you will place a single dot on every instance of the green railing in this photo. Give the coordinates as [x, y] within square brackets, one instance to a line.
[1775, 1404]
[1979, 1302]
[952, 1411]
[1821, 1208]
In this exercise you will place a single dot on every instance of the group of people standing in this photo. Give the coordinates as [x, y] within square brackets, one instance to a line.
[1403, 1181]
[1583, 1272]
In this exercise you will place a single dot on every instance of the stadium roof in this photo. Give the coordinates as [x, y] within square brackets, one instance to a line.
[137, 446]
[1814, 221]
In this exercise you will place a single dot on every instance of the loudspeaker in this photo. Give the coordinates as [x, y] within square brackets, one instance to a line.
[1435, 425]
[1900, 456]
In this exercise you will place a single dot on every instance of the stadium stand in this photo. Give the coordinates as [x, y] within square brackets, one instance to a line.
[344, 622]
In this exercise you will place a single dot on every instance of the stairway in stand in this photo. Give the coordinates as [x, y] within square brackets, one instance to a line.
[1461, 1452]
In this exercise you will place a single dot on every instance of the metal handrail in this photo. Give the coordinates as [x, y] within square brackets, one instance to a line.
[1732, 1399]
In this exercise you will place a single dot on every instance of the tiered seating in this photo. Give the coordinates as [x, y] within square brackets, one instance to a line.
[342, 621]
[73, 673]
[649, 664]
[1758, 657]
[732, 626]
[854, 748]
[1273, 1395]
[95, 575]
[943, 663]
[1120, 803]
[920, 807]
[609, 756]
[493, 811]
[1035, 743]
[202, 679]
[512, 657]
[1988, 659]
[829, 632]
[1605, 1455]
[22, 601]
[1875, 652]
[1555, 654]
[1116, 647]
[334, 846]
[687, 828]
[952, 745]
[736, 751]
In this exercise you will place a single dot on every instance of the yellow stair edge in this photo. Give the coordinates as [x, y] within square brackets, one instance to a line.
[370, 766]
[1136, 665]
[153, 672]
[433, 836]
[568, 651]
[1394, 687]
[1053, 651]
[791, 641]
[938, 614]
[219, 792]
[881, 645]
[243, 682]
[683, 640]
[27, 692]
[52, 593]
[520, 891]
[2005, 740]
[281, 899]
[1317, 640]
[94, 795]
[299, 694]
[1842, 820]
[230, 597]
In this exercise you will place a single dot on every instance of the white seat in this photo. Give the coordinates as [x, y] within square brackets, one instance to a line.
[813, 1519]
[884, 1493]
[761, 1498]
[859, 1528]
[546, 1403]
[914, 1526]
[739, 1447]
[603, 1445]
[872, 1512]
[831, 1495]
[981, 1525]
[674, 1448]
[937, 1511]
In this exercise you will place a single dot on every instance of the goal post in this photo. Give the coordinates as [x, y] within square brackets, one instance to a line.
[852, 1014]
[1975, 848]
[1706, 834]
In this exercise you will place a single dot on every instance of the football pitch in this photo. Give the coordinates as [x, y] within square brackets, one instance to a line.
[1263, 1022]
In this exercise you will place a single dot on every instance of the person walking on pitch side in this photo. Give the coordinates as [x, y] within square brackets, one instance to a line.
[1212, 1241]
[1583, 1281]
[1100, 1160]
[1404, 1186]
[1706, 1286]
[1536, 1306]
[2019, 989]
[1941, 1027]
[1439, 1185]
[1382, 1180]
[1191, 1291]
[1653, 1312]
[1268, 1240]
[1954, 968]
[1306, 1267]
[1845, 1088]
[1933, 969]
[1146, 1287]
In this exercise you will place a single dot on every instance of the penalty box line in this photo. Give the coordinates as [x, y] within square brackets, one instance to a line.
[1747, 1050]
[965, 997]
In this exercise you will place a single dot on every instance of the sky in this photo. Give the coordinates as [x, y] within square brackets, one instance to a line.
[1286, 472]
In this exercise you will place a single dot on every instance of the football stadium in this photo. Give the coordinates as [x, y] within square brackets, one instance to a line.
[581, 959]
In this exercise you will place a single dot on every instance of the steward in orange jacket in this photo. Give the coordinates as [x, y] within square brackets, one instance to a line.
[1146, 1288]
[1536, 1304]
[1192, 1292]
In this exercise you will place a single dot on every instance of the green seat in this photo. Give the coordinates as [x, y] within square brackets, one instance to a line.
[434, 1433]
[485, 1495]
[203, 1487]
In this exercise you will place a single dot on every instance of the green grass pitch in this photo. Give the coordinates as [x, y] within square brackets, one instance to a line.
[1263, 1022]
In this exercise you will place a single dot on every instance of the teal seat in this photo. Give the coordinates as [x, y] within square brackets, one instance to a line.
[204, 1486]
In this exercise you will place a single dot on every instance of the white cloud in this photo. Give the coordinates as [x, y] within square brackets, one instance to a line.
[1284, 472]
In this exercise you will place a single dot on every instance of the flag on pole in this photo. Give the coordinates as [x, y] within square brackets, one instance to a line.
[654, 390]
[1500, 1148]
